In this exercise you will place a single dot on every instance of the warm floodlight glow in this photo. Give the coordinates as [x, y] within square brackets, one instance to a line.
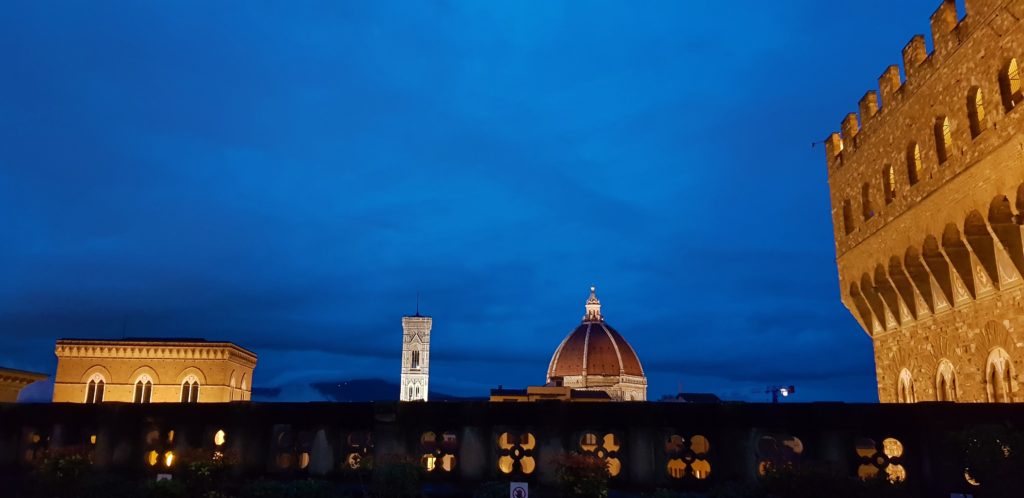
[168, 459]
[218, 438]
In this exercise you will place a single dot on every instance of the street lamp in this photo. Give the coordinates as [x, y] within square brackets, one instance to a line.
[777, 391]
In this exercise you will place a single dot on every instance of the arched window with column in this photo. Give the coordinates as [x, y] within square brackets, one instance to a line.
[1010, 85]
[94, 389]
[867, 206]
[143, 389]
[889, 183]
[999, 377]
[945, 382]
[913, 163]
[190, 390]
[848, 217]
[905, 388]
[976, 111]
[943, 138]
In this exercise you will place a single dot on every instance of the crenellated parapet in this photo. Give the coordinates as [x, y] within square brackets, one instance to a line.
[951, 107]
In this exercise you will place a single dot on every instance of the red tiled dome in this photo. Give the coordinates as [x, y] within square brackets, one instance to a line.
[594, 348]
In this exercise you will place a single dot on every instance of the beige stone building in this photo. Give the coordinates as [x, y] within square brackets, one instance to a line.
[152, 371]
[13, 381]
[595, 357]
[927, 191]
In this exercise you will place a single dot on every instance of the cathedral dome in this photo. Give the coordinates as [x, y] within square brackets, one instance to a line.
[594, 349]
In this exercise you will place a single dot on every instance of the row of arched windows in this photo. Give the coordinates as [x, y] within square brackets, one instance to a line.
[143, 389]
[1012, 95]
[998, 381]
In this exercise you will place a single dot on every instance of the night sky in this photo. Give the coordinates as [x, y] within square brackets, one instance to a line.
[288, 177]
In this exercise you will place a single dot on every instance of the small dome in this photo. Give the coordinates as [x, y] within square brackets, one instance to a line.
[594, 348]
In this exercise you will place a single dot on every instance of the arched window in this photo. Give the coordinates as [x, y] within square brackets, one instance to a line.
[945, 382]
[143, 389]
[999, 377]
[913, 163]
[190, 390]
[976, 111]
[847, 216]
[865, 201]
[94, 389]
[889, 183]
[1009, 85]
[415, 359]
[943, 138]
[905, 389]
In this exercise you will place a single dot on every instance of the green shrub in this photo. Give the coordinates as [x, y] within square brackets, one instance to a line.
[164, 489]
[492, 490]
[397, 478]
[305, 488]
[582, 476]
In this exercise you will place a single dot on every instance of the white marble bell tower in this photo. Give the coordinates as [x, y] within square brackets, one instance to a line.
[415, 357]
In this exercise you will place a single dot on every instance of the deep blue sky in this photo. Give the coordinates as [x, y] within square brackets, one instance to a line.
[288, 177]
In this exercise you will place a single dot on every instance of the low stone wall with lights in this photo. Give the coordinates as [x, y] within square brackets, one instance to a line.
[646, 445]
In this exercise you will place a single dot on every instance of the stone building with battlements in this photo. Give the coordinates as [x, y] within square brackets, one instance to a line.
[149, 370]
[927, 193]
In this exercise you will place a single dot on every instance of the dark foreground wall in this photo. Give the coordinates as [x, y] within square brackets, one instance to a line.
[651, 445]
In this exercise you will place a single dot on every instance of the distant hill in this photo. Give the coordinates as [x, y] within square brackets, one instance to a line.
[352, 390]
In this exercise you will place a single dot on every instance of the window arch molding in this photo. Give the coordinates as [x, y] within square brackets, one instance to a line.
[905, 388]
[96, 370]
[145, 370]
[194, 372]
[999, 374]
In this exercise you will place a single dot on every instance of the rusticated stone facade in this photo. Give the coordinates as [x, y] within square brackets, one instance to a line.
[927, 194]
[152, 371]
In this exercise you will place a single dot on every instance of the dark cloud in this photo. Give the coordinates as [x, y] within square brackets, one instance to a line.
[289, 177]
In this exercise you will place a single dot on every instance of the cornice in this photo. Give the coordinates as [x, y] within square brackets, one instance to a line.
[155, 350]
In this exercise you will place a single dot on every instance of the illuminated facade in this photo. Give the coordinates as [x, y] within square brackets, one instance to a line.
[152, 371]
[595, 357]
[13, 381]
[415, 357]
[927, 193]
